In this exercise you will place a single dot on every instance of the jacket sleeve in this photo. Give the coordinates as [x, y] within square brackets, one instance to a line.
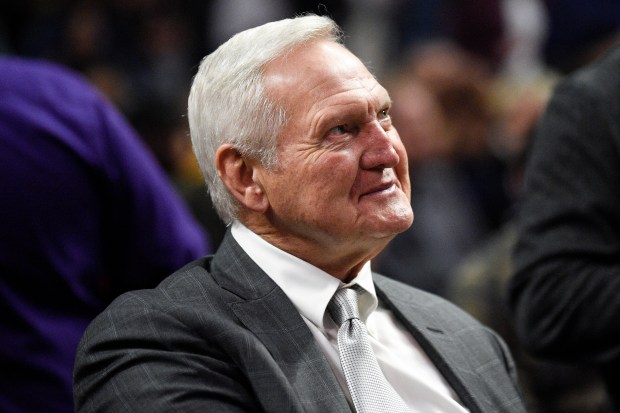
[137, 358]
[565, 289]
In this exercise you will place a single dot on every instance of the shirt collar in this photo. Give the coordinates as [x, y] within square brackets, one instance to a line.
[308, 287]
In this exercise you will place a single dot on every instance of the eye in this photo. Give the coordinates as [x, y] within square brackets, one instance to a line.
[338, 130]
[383, 114]
[384, 118]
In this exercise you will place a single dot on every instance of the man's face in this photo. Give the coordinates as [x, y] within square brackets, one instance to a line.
[342, 182]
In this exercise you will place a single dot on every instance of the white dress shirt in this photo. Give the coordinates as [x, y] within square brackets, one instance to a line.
[404, 364]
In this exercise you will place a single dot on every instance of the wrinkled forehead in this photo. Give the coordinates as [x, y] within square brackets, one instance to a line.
[315, 71]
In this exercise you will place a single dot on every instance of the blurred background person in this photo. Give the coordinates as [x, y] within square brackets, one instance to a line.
[479, 282]
[86, 214]
[564, 292]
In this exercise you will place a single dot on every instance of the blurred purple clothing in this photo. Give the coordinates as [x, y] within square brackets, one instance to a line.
[85, 213]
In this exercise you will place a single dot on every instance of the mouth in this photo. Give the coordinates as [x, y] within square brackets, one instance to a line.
[384, 188]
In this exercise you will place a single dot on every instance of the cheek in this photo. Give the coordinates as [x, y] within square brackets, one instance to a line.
[324, 179]
[335, 173]
[343, 174]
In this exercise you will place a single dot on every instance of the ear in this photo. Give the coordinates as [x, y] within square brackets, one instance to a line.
[240, 177]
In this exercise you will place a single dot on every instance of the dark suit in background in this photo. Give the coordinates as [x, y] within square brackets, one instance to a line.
[565, 291]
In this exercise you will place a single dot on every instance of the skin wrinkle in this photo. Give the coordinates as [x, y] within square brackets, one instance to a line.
[337, 197]
[370, 111]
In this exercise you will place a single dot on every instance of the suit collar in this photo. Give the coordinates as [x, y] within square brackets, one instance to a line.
[441, 347]
[265, 310]
[235, 271]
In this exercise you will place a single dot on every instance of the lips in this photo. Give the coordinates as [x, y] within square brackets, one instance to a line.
[383, 187]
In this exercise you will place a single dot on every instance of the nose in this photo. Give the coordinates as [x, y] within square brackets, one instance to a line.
[379, 152]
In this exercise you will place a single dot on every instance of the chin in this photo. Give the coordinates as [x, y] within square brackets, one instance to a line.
[400, 219]
[401, 226]
[389, 228]
[389, 220]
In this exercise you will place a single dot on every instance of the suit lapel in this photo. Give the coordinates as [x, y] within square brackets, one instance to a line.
[442, 349]
[266, 311]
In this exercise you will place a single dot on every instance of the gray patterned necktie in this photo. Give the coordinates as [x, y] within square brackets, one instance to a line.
[370, 391]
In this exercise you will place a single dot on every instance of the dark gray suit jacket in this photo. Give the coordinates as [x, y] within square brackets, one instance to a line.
[220, 336]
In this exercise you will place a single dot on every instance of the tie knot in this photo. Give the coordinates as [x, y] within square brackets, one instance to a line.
[343, 305]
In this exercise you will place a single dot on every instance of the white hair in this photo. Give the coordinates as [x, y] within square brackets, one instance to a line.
[228, 103]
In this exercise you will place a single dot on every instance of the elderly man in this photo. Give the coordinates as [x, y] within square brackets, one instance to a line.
[294, 137]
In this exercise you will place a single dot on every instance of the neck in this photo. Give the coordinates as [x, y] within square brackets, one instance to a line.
[342, 259]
